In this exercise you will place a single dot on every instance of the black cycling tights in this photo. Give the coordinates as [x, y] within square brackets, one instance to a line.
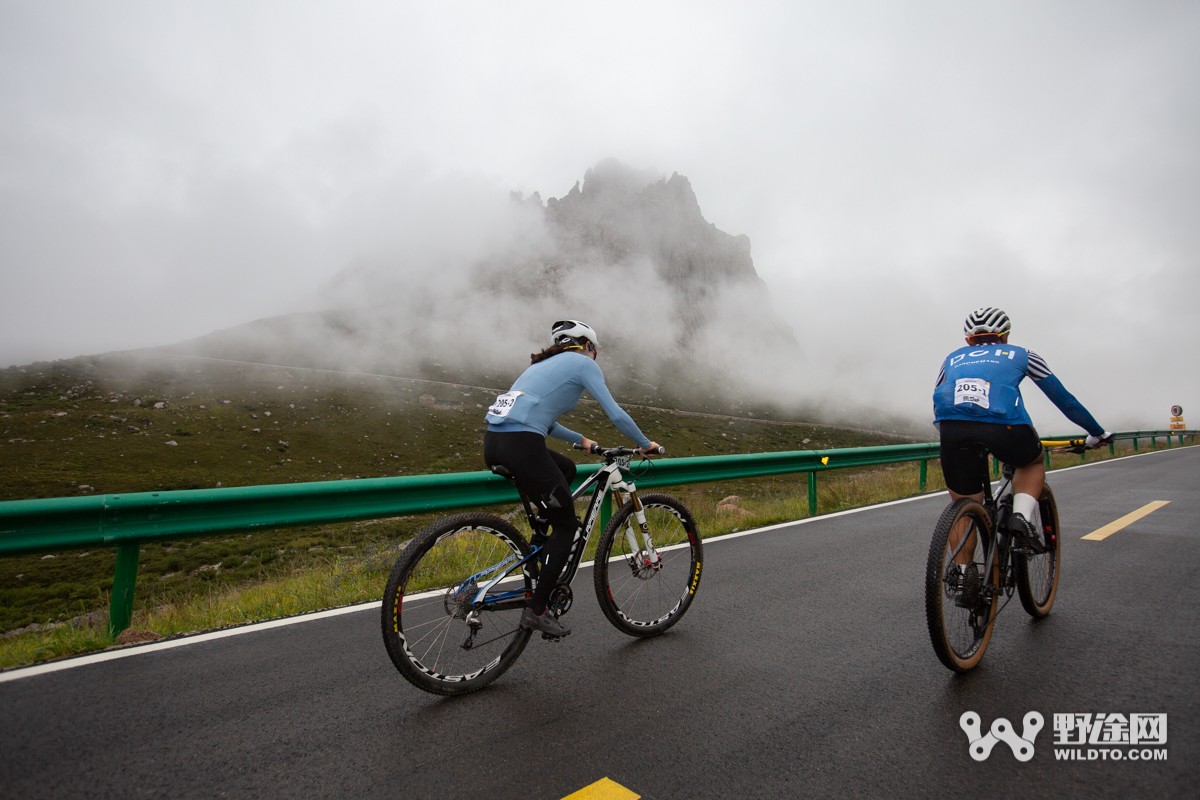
[545, 477]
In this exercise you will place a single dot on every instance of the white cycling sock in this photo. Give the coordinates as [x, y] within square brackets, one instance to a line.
[1024, 504]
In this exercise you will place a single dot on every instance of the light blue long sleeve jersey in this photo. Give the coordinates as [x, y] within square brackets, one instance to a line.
[551, 388]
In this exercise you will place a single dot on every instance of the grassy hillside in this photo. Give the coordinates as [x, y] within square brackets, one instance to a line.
[91, 426]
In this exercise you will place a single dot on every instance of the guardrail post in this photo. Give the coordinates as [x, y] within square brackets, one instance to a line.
[1046, 456]
[1135, 447]
[1153, 442]
[924, 473]
[1168, 441]
[995, 466]
[1112, 448]
[120, 607]
[812, 493]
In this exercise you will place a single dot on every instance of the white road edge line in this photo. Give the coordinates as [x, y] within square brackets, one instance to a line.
[112, 655]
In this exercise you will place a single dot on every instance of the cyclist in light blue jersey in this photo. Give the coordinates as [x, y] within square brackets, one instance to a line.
[518, 424]
[977, 400]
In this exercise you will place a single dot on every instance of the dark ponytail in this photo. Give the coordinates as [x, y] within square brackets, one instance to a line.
[552, 350]
[582, 345]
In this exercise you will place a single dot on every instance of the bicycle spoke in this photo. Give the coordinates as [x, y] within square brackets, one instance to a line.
[639, 595]
[442, 643]
[960, 597]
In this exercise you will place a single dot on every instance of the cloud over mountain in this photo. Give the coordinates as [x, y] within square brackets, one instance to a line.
[681, 312]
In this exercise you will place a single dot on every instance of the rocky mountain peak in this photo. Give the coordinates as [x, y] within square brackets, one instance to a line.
[620, 213]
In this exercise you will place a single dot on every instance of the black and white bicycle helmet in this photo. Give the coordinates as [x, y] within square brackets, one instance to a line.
[986, 320]
[569, 330]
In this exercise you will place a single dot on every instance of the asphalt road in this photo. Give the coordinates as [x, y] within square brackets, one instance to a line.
[803, 669]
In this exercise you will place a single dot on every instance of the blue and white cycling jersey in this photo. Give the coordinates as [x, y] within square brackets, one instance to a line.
[547, 390]
[981, 384]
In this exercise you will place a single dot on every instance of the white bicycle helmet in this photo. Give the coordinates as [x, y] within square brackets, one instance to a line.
[986, 320]
[568, 330]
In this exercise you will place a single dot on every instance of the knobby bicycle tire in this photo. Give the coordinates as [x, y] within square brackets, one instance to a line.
[638, 597]
[956, 609]
[426, 602]
[1037, 575]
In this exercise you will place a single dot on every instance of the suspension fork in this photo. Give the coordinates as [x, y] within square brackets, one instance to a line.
[639, 514]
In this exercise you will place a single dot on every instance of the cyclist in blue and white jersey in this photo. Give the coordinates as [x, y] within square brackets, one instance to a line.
[977, 400]
[518, 424]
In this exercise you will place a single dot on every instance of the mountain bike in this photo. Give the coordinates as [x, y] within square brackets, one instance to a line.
[973, 563]
[455, 596]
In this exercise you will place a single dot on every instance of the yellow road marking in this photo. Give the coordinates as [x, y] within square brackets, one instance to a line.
[1116, 525]
[603, 789]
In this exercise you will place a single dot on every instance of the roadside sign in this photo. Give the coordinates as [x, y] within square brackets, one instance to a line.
[1177, 419]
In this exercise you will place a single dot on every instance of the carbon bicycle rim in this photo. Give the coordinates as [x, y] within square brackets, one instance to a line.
[643, 595]
[430, 632]
[958, 607]
[1037, 575]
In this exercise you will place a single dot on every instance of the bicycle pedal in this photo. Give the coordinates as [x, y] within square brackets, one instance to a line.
[550, 638]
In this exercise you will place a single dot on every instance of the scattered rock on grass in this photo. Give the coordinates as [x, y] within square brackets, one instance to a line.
[33, 626]
[136, 636]
[733, 510]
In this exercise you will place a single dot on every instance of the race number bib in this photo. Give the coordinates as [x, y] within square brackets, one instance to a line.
[972, 390]
[503, 404]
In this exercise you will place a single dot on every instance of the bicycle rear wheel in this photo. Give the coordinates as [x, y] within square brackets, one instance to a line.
[1037, 575]
[959, 608]
[430, 632]
[639, 595]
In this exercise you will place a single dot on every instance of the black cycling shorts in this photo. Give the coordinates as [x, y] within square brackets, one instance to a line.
[966, 470]
[538, 470]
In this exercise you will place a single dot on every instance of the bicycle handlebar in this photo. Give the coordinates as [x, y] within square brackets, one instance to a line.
[616, 452]
[1076, 445]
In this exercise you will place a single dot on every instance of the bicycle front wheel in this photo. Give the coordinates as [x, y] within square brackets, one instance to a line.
[433, 633]
[641, 593]
[960, 600]
[1037, 575]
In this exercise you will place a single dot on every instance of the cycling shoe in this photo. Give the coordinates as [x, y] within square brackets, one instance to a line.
[545, 622]
[1025, 536]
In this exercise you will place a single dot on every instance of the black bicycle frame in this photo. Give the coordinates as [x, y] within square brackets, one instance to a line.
[998, 513]
[500, 601]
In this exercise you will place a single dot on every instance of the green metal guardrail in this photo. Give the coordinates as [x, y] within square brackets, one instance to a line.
[126, 521]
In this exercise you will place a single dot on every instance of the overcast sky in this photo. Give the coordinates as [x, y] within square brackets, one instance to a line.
[170, 169]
